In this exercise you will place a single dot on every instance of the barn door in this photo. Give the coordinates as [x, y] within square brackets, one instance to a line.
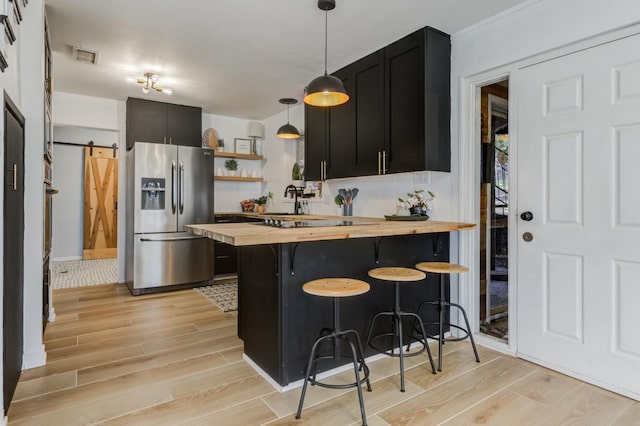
[100, 203]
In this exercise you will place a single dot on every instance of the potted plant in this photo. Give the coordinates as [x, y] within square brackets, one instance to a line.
[418, 202]
[232, 166]
[296, 175]
[263, 200]
[339, 202]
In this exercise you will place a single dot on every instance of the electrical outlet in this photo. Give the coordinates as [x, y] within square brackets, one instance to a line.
[422, 178]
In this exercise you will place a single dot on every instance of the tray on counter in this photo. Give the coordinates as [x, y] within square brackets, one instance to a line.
[413, 217]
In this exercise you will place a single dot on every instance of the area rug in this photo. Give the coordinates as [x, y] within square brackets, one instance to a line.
[223, 295]
[82, 273]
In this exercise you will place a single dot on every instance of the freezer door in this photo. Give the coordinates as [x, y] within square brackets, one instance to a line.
[155, 187]
[171, 259]
[195, 200]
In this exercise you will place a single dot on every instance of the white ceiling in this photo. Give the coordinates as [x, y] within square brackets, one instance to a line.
[233, 57]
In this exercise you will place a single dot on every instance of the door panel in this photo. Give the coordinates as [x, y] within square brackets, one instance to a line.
[195, 196]
[184, 125]
[13, 277]
[155, 188]
[578, 151]
[146, 121]
[100, 231]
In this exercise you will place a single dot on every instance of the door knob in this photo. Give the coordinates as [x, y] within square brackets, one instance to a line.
[527, 216]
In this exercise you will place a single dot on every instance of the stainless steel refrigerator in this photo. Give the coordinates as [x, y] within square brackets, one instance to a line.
[168, 186]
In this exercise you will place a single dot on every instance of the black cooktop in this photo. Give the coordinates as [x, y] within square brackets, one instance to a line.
[278, 223]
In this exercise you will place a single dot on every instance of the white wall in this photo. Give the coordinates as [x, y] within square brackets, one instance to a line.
[23, 82]
[228, 194]
[68, 178]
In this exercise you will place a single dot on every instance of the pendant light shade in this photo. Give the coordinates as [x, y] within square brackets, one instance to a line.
[288, 131]
[326, 90]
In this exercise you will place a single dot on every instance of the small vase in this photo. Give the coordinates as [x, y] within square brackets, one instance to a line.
[233, 172]
[260, 208]
[420, 211]
[347, 209]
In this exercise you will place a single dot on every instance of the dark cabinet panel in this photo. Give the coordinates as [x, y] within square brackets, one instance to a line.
[146, 121]
[341, 149]
[418, 100]
[159, 122]
[369, 113]
[184, 125]
[226, 259]
[315, 139]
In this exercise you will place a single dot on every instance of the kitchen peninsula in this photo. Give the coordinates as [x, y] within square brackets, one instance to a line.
[277, 321]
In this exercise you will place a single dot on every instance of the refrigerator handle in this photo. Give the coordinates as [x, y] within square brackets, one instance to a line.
[181, 187]
[174, 187]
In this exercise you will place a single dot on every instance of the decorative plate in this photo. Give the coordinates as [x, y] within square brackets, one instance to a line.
[413, 217]
[210, 138]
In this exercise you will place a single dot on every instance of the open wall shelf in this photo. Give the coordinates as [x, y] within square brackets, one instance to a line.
[238, 178]
[238, 156]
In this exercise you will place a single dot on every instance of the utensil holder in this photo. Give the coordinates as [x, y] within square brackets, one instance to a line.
[347, 209]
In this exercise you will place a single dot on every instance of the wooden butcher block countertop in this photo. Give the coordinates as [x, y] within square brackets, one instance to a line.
[247, 234]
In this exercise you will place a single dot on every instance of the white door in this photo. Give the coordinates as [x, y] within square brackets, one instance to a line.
[579, 176]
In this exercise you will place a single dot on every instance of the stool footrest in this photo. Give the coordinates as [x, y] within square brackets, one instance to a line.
[362, 367]
[392, 352]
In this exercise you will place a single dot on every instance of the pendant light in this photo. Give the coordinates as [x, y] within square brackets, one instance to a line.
[288, 131]
[326, 90]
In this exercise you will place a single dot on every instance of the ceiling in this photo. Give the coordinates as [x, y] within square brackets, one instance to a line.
[233, 57]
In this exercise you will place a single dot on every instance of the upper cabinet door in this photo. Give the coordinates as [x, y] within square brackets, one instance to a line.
[146, 121]
[315, 142]
[341, 147]
[368, 77]
[418, 102]
[184, 125]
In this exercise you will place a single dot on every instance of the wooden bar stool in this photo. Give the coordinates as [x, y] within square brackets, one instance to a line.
[444, 268]
[337, 288]
[398, 275]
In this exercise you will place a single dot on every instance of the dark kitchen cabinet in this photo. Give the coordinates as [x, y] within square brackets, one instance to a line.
[397, 117]
[315, 140]
[159, 122]
[417, 101]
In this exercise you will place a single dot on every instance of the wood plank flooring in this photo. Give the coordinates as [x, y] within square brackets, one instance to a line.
[174, 359]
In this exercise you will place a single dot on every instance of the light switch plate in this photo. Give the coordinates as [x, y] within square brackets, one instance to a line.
[422, 178]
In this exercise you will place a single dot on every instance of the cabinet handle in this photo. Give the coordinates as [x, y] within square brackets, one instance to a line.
[170, 140]
[379, 156]
[14, 184]
[384, 162]
[164, 140]
[325, 170]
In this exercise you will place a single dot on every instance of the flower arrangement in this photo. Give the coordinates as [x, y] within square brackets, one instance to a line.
[418, 201]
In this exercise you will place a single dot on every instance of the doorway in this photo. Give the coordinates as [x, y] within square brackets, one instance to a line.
[494, 211]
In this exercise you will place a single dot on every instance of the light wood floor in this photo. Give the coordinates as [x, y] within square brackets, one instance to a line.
[174, 358]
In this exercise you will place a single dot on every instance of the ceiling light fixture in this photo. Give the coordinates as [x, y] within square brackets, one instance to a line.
[326, 90]
[149, 83]
[288, 131]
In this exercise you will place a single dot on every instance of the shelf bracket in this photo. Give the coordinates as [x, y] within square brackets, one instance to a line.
[292, 255]
[377, 243]
[275, 258]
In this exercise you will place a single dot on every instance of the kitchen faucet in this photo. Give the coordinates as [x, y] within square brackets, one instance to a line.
[296, 204]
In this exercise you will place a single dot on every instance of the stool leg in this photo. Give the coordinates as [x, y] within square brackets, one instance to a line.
[466, 321]
[400, 351]
[308, 373]
[358, 385]
[426, 343]
[361, 355]
[441, 321]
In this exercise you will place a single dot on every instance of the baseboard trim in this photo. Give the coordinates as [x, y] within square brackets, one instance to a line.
[299, 383]
[52, 314]
[5, 421]
[34, 359]
[62, 259]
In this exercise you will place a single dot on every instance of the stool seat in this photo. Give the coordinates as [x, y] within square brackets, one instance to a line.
[396, 274]
[441, 267]
[336, 287]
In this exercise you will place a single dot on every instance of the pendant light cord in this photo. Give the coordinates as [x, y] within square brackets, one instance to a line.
[287, 113]
[326, 18]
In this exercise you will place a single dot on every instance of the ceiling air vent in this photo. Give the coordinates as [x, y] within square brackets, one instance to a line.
[84, 55]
